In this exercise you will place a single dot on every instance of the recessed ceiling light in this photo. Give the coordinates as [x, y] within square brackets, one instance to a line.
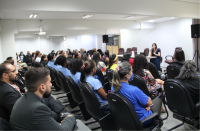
[35, 16]
[128, 17]
[150, 20]
[31, 15]
[172, 17]
[86, 16]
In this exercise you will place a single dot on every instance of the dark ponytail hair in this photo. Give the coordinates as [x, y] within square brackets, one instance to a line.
[96, 57]
[86, 69]
[107, 53]
[119, 73]
[111, 60]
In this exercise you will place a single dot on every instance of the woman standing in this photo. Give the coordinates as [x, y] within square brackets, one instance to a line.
[155, 52]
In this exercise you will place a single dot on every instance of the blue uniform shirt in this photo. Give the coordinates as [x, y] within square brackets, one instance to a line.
[76, 77]
[58, 67]
[137, 98]
[65, 71]
[95, 84]
[51, 64]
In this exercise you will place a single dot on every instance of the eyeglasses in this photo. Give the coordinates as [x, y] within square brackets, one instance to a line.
[11, 71]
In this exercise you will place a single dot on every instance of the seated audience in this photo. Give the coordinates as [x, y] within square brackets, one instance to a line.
[21, 56]
[94, 50]
[96, 58]
[113, 59]
[82, 51]
[38, 57]
[86, 57]
[127, 57]
[18, 67]
[77, 55]
[53, 51]
[10, 93]
[179, 58]
[33, 57]
[87, 72]
[36, 115]
[44, 60]
[28, 54]
[75, 70]
[141, 67]
[62, 60]
[51, 58]
[106, 57]
[190, 78]
[141, 102]
[57, 63]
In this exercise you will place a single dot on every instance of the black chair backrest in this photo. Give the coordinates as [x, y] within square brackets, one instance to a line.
[140, 83]
[4, 125]
[51, 74]
[56, 77]
[154, 71]
[91, 102]
[63, 82]
[123, 112]
[100, 75]
[109, 73]
[74, 89]
[179, 99]
[173, 70]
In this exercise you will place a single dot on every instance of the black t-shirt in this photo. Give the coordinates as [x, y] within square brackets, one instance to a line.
[193, 87]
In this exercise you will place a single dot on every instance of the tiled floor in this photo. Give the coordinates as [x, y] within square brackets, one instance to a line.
[167, 124]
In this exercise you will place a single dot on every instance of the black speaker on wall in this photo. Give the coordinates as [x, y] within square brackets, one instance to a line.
[195, 31]
[105, 38]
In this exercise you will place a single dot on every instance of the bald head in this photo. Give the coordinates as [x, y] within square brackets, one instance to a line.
[4, 67]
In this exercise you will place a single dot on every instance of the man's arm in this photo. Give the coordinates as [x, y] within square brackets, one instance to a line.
[9, 100]
[42, 120]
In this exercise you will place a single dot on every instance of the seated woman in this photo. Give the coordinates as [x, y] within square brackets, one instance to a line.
[94, 50]
[179, 58]
[127, 57]
[141, 67]
[190, 78]
[155, 52]
[62, 60]
[75, 70]
[44, 60]
[113, 59]
[38, 57]
[141, 102]
[85, 57]
[96, 58]
[106, 57]
[87, 72]
[51, 58]
[57, 63]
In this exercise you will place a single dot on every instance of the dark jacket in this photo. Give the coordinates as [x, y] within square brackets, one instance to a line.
[8, 97]
[180, 63]
[36, 115]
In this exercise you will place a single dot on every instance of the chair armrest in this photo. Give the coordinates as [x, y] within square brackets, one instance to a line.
[168, 56]
[103, 105]
[149, 117]
[198, 106]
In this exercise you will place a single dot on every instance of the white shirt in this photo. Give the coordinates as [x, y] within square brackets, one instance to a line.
[38, 59]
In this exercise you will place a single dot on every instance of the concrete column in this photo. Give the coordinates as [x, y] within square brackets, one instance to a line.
[8, 29]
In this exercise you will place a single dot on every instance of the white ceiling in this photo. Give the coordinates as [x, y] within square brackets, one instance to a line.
[100, 9]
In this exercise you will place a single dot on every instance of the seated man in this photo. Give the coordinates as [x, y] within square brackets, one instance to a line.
[36, 115]
[10, 93]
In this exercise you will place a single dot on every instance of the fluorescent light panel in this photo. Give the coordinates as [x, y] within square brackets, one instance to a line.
[86, 16]
[33, 15]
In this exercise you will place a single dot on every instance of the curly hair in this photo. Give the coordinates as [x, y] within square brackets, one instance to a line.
[61, 60]
[140, 63]
[188, 71]
[76, 66]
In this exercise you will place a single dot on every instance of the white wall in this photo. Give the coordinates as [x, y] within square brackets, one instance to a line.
[46, 45]
[1, 59]
[167, 36]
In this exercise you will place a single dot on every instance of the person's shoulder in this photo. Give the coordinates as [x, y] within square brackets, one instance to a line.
[158, 49]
